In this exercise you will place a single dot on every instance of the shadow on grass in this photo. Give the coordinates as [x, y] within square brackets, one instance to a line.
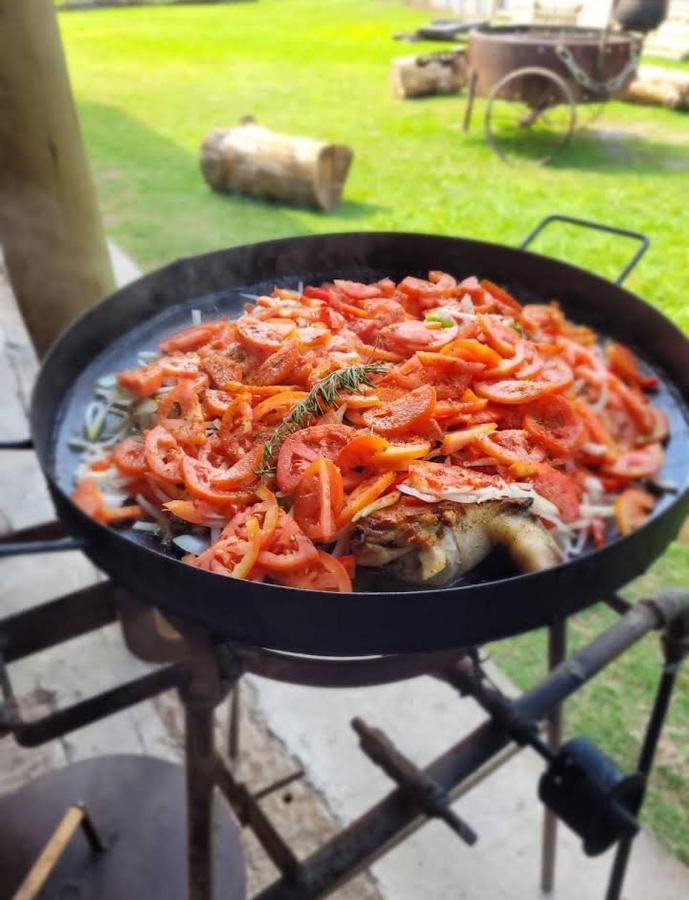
[156, 202]
[603, 149]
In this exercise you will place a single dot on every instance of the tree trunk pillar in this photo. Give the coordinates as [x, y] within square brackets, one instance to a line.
[50, 226]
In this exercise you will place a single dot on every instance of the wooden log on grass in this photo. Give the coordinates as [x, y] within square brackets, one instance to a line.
[428, 74]
[656, 86]
[250, 159]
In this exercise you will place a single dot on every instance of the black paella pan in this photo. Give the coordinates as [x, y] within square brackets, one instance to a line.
[108, 337]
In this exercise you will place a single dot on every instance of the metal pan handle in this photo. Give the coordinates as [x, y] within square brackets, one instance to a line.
[644, 242]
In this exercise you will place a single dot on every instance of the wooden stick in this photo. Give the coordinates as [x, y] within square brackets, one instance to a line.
[50, 225]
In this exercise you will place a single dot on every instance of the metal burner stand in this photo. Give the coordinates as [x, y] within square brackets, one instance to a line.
[580, 786]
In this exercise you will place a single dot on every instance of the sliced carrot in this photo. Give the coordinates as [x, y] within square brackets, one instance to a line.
[455, 440]
[365, 493]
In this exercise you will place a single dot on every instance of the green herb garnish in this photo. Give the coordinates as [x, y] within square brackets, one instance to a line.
[320, 398]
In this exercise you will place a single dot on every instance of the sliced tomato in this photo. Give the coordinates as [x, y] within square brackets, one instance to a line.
[624, 364]
[326, 573]
[215, 403]
[302, 447]
[410, 413]
[180, 413]
[659, 430]
[317, 293]
[264, 337]
[241, 474]
[289, 549]
[509, 364]
[359, 451]
[89, 498]
[196, 512]
[504, 300]
[559, 489]
[144, 381]
[181, 366]
[632, 508]
[533, 362]
[318, 500]
[455, 440]
[163, 454]
[641, 463]
[237, 422]
[509, 446]
[363, 494]
[265, 513]
[221, 369]
[191, 338]
[512, 390]
[557, 374]
[129, 457]
[356, 290]
[555, 424]
[279, 366]
[406, 337]
[429, 477]
[197, 477]
[500, 337]
[634, 402]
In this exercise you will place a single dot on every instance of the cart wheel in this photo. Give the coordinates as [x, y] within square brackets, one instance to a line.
[531, 115]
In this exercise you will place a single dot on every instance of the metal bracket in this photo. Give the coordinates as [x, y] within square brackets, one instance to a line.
[420, 788]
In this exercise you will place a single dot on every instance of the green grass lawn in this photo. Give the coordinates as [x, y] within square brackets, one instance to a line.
[151, 82]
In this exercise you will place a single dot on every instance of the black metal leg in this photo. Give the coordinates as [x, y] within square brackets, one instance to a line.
[200, 772]
[653, 732]
[675, 642]
[557, 650]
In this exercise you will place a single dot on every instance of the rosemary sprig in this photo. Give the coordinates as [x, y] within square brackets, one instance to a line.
[320, 398]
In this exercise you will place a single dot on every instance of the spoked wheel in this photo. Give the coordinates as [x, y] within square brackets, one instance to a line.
[530, 116]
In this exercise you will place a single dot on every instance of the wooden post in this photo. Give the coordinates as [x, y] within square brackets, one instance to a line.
[50, 227]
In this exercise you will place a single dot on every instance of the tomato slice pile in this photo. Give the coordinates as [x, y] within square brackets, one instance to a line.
[474, 395]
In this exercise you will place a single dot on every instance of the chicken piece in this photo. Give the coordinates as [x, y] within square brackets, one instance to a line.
[436, 543]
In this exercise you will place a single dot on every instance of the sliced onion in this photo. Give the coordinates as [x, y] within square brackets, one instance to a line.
[191, 543]
[380, 503]
[594, 449]
[94, 419]
[155, 514]
[148, 527]
[107, 381]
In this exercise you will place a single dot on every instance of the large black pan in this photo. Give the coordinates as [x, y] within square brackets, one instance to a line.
[108, 337]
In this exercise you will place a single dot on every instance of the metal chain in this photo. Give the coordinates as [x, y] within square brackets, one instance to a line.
[588, 83]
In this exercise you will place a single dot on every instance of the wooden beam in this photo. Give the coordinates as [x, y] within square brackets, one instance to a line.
[50, 226]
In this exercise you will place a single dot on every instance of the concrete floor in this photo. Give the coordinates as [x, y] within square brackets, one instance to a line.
[285, 727]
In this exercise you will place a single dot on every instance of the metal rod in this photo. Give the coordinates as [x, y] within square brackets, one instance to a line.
[23, 548]
[41, 870]
[557, 650]
[278, 785]
[31, 734]
[19, 444]
[233, 724]
[645, 764]
[59, 620]
[91, 833]
[249, 812]
[373, 834]
[42, 531]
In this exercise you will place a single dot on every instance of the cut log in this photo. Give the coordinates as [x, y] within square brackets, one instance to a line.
[656, 86]
[429, 74]
[253, 160]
